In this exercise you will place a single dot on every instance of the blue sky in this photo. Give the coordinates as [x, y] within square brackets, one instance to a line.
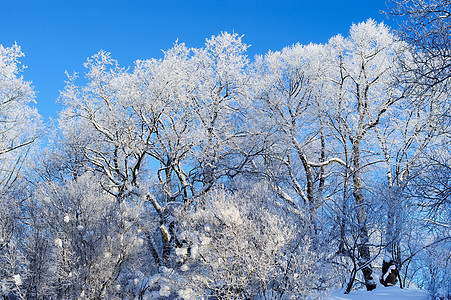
[59, 35]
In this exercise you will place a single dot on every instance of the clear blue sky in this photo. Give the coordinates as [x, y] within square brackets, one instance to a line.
[59, 35]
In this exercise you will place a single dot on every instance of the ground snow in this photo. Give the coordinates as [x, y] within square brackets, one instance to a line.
[382, 293]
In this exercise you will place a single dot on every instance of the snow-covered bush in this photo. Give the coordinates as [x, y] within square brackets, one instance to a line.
[95, 239]
[238, 244]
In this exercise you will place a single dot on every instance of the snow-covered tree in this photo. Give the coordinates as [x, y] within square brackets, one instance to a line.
[336, 113]
[201, 174]
[289, 88]
[364, 96]
[426, 25]
[239, 245]
[19, 128]
[164, 132]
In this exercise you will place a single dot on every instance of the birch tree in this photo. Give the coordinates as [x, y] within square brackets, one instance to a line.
[290, 100]
[20, 127]
[426, 24]
[162, 132]
[364, 94]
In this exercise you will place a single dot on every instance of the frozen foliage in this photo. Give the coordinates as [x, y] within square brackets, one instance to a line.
[426, 26]
[89, 258]
[20, 126]
[239, 245]
[205, 175]
[17, 280]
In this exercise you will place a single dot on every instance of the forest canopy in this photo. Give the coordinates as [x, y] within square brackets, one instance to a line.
[209, 174]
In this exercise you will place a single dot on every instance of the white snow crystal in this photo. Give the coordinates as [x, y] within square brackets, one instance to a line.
[80, 227]
[194, 250]
[139, 242]
[66, 218]
[58, 243]
[17, 279]
[181, 251]
[205, 240]
[4, 286]
[232, 216]
[165, 291]
[166, 270]
[186, 294]
[279, 239]
[184, 267]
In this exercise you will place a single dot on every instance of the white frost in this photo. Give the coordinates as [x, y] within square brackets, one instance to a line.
[232, 216]
[194, 250]
[165, 291]
[139, 242]
[58, 243]
[17, 279]
[187, 294]
[4, 286]
[205, 240]
[181, 251]
[184, 267]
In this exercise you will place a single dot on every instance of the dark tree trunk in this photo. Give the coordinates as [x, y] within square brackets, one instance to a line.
[363, 246]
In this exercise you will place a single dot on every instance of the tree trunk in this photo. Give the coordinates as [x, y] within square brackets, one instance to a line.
[392, 259]
[363, 246]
